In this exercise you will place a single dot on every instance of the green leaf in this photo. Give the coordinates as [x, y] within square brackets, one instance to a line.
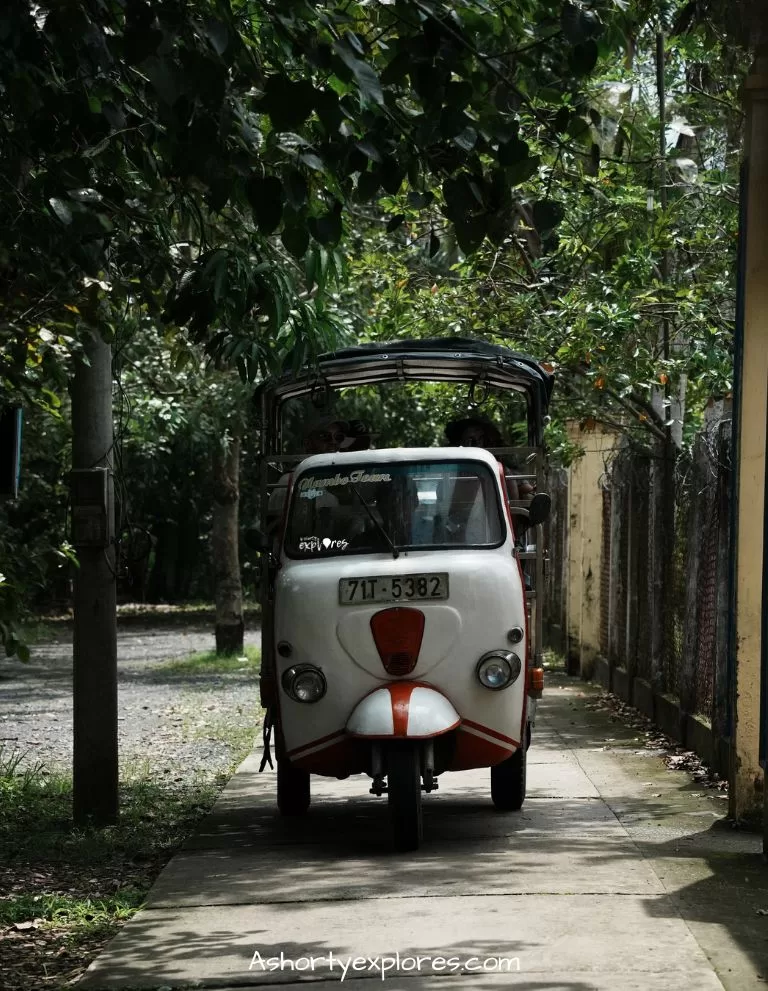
[395, 222]
[420, 200]
[312, 161]
[579, 129]
[391, 175]
[217, 33]
[311, 266]
[470, 234]
[328, 228]
[583, 58]
[523, 170]
[397, 68]
[368, 185]
[328, 109]
[547, 214]
[218, 195]
[295, 239]
[162, 75]
[61, 209]
[265, 194]
[368, 148]
[288, 103]
[296, 189]
[513, 151]
[562, 119]
[366, 79]
[462, 195]
[579, 24]
[467, 139]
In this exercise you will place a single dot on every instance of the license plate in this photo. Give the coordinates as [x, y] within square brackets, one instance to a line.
[393, 588]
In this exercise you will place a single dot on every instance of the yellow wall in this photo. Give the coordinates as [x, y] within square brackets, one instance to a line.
[585, 538]
[747, 776]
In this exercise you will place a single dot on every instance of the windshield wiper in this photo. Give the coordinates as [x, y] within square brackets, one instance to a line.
[379, 526]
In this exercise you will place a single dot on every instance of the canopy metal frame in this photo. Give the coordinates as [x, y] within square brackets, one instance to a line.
[457, 360]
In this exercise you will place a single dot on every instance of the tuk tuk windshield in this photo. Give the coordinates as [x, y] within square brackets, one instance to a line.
[370, 508]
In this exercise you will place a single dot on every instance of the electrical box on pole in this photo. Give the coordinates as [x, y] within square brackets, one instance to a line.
[92, 510]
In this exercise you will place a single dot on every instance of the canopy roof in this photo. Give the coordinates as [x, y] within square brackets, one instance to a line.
[448, 359]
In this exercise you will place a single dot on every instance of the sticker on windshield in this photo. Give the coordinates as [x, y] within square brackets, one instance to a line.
[322, 544]
[311, 487]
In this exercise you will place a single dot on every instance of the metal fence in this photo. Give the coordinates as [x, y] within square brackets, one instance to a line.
[661, 637]
[691, 609]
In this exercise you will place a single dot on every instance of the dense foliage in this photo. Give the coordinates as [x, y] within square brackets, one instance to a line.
[643, 244]
[203, 158]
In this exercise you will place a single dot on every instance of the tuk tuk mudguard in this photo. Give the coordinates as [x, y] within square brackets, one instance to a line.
[403, 710]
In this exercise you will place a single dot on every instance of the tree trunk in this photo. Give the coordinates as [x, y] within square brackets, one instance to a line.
[224, 549]
[162, 581]
[95, 750]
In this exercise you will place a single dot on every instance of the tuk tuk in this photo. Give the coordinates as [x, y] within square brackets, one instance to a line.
[402, 629]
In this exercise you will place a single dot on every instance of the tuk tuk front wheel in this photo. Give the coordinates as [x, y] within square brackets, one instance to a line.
[292, 788]
[508, 781]
[404, 793]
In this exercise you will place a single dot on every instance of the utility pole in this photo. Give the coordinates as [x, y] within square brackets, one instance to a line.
[95, 774]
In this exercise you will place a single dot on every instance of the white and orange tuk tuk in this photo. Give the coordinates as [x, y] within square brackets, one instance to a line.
[401, 629]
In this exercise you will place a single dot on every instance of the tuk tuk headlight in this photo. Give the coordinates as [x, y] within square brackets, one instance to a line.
[498, 669]
[304, 683]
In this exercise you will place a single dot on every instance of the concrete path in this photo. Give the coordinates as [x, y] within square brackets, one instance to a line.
[617, 874]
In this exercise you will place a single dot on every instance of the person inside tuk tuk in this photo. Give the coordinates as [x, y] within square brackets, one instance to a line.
[479, 431]
[325, 436]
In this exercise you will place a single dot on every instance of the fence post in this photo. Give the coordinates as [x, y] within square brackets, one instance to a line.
[641, 696]
[605, 569]
[562, 576]
[695, 523]
[721, 714]
[617, 578]
[556, 583]
[574, 588]
[633, 548]
[657, 570]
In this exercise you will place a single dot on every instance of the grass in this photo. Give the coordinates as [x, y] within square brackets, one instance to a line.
[238, 734]
[65, 890]
[65, 910]
[52, 626]
[39, 631]
[151, 609]
[209, 662]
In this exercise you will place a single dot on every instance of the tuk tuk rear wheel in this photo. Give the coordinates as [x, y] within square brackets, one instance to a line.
[404, 793]
[293, 795]
[508, 781]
